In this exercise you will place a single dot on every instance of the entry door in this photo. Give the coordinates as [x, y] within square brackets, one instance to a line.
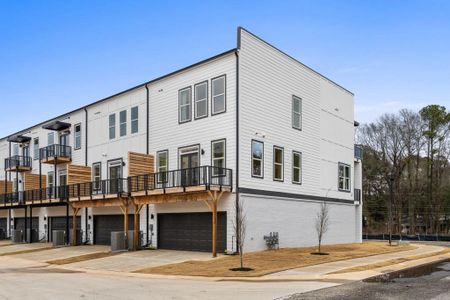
[190, 171]
[64, 139]
[26, 151]
[115, 173]
[62, 184]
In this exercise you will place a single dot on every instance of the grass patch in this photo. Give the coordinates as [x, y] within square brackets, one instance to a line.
[25, 251]
[271, 261]
[389, 262]
[80, 258]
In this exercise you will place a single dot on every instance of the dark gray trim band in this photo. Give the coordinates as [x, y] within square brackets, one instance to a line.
[291, 195]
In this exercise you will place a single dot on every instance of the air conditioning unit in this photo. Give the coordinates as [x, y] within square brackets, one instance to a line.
[118, 241]
[58, 238]
[17, 236]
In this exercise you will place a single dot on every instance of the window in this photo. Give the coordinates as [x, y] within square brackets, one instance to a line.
[257, 159]
[36, 148]
[77, 136]
[296, 112]
[50, 179]
[50, 138]
[278, 163]
[296, 167]
[112, 126]
[123, 122]
[218, 157]
[344, 177]
[134, 119]
[218, 95]
[162, 165]
[16, 149]
[201, 100]
[97, 175]
[184, 105]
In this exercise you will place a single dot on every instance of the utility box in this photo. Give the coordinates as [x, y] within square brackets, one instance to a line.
[32, 235]
[131, 239]
[79, 237]
[58, 238]
[17, 236]
[118, 241]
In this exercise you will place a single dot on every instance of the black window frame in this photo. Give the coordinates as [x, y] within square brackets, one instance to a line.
[300, 167]
[162, 179]
[224, 140]
[341, 164]
[123, 123]
[224, 95]
[207, 100]
[294, 97]
[112, 126]
[134, 120]
[99, 164]
[75, 137]
[262, 159]
[190, 105]
[36, 150]
[282, 163]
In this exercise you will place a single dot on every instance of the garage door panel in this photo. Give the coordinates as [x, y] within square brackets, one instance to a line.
[19, 223]
[191, 231]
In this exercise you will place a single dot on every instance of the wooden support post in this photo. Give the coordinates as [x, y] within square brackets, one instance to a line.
[213, 207]
[74, 225]
[124, 208]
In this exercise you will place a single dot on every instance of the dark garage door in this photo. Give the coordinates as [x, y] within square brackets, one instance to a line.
[105, 224]
[59, 223]
[19, 223]
[191, 231]
[3, 227]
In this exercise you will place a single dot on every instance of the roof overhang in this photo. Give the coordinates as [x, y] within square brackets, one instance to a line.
[18, 138]
[57, 125]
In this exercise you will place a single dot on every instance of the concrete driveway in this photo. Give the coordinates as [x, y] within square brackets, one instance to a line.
[62, 252]
[8, 248]
[132, 261]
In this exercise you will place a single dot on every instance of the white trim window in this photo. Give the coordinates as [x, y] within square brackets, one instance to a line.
[36, 148]
[134, 119]
[344, 177]
[123, 122]
[77, 136]
[218, 150]
[162, 165]
[278, 163]
[257, 159]
[97, 176]
[112, 126]
[201, 100]
[296, 112]
[184, 105]
[296, 167]
[50, 138]
[218, 95]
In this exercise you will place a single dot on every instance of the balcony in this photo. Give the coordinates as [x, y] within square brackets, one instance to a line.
[97, 190]
[55, 154]
[358, 152]
[18, 163]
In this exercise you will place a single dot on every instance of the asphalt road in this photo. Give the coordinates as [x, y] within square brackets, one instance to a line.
[427, 282]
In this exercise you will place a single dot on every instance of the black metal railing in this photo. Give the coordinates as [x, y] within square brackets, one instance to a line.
[18, 161]
[11, 198]
[358, 152]
[55, 150]
[357, 193]
[205, 175]
[105, 187]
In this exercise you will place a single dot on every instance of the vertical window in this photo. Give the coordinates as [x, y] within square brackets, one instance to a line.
[97, 175]
[344, 177]
[134, 119]
[50, 138]
[16, 149]
[218, 97]
[296, 112]
[50, 179]
[257, 159]
[36, 148]
[296, 167]
[201, 100]
[112, 126]
[218, 157]
[77, 136]
[123, 122]
[278, 163]
[184, 105]
[162, 162]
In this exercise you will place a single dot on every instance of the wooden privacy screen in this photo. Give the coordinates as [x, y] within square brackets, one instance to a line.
[31, 181]
[78, 174]
[9, 186]
[140, 164]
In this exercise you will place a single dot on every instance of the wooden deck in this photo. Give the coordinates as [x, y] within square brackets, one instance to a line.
[19, 169]
[59, 160]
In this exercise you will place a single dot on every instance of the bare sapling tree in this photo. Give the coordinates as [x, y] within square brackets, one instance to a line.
[322, 223]
[240, 227]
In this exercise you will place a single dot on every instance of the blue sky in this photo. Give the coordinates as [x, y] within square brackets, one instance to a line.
[56, 56]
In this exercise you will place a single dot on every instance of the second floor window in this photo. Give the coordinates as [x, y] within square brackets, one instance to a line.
[77, 137]
[134, 119]
[16, 149]
[218, 157]
[257, 159]
[201, 100]
[97, 176]
[344, 177]
[112, 126]
[123, 122]
[296, 167]
[36, 148]
[218, 98]
[296, 112]
[162, 161]
[184, 105]
[50, 138]
[278, 163]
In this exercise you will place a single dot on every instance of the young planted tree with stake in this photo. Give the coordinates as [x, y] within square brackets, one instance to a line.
[322, 223]
[240, 228]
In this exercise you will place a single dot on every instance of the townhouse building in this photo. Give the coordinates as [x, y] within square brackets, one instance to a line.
[171, 157]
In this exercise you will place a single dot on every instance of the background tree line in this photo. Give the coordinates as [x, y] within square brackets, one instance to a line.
[406, 170]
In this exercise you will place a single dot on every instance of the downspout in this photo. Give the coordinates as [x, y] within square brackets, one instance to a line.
[86, 164]
[148, 152]
[237, 130]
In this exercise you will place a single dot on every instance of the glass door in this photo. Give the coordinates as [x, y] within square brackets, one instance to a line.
[64, 141]
[189, 169]
[62, 184]
[115, 174]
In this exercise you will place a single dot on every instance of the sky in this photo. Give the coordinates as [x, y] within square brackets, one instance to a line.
[56, 56]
